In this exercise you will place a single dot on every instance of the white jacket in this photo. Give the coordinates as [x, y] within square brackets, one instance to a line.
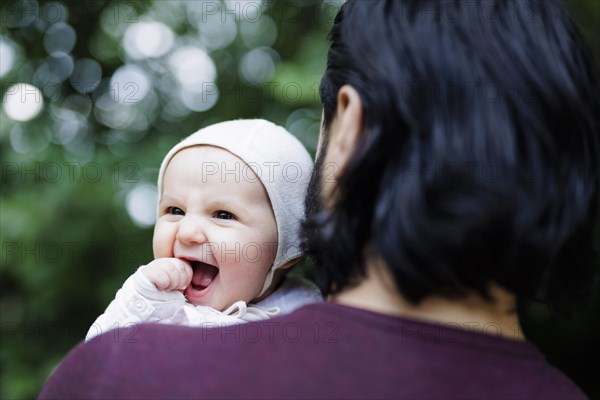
[140, 301]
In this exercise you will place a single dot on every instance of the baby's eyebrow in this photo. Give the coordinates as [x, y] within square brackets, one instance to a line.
[167, 199]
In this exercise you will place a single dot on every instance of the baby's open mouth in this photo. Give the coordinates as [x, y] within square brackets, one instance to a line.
[204, 274]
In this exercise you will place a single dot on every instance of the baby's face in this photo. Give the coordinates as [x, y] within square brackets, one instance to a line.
[215, 213]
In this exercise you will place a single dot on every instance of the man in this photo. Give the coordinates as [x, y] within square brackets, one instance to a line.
[458, 173]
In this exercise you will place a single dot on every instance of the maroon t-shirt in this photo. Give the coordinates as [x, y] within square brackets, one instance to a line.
[320, 351]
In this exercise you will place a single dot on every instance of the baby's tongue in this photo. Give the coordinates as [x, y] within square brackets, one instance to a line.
[204, 274]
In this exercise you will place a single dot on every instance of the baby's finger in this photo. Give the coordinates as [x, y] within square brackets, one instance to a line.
[185, 274]
[160, 278]
[175, 269]
[164, 273]
[174, 272]
[189, 274]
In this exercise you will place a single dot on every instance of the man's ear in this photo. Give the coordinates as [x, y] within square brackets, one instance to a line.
[346, 127]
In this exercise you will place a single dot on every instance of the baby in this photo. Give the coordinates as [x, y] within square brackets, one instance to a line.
[231, 197]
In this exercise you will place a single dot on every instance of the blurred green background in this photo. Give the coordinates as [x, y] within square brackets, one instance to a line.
[94, 95]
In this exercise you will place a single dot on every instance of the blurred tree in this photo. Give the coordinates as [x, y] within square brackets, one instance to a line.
[94, 94]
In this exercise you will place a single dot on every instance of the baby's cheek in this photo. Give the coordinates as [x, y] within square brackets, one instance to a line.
[162, 244]
[269, 251]
[156, 248]
[247, 285]
[252, 253]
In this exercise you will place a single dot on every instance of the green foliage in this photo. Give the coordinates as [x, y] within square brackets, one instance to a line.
[69, 238]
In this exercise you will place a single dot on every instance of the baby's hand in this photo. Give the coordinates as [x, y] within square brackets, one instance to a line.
[168, 274]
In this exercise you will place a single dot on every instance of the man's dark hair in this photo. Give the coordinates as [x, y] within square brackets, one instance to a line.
[478, 161]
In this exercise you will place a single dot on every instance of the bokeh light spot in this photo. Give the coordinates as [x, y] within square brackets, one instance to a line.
[141, 204]
[130, 84]
[23, 102]
[27, 141]
[216, 32]
[257, 65]
[148, 40]
[59, 38]
[258, 34]
[7, 56]
[86, 75]
[54, 70]
[193, 68]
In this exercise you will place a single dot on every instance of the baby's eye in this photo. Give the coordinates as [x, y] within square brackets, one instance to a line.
[175, 211]
[223, 215]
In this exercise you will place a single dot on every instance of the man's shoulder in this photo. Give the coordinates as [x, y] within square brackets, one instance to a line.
[119, 362]
[320, 350]
[309, 325]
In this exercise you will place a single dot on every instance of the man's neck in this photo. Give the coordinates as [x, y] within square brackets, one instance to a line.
[473, 312]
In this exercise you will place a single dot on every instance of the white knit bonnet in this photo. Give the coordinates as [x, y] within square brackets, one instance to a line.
[281, 163]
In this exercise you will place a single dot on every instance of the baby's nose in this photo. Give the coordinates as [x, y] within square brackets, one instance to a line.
[191, 231]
